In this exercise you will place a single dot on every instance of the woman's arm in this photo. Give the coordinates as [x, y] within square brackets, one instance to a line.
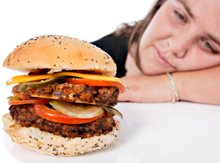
[143, 88]
[201, 86]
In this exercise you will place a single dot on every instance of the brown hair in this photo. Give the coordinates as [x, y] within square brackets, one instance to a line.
[134, 32]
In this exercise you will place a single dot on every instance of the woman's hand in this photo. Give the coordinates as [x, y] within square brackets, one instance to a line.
[143, 88]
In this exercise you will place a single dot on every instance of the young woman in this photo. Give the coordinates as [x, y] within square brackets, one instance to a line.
[181, 37]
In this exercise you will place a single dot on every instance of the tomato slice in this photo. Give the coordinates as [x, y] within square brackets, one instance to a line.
[55, 116]
[92, 82]
[31, 101]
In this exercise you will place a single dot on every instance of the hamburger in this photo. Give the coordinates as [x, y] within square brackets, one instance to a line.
[64, 104]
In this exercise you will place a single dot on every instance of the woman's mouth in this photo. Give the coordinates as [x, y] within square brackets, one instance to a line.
[160, 58]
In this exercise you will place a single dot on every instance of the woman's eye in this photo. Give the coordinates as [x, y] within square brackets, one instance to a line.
[180, 16]
[209, 46]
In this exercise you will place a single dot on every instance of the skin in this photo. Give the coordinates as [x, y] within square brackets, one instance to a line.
[179, 41]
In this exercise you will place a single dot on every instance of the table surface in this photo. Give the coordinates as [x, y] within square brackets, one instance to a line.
[155, 133]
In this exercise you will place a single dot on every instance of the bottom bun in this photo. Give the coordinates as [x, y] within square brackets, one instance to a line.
[47, 143]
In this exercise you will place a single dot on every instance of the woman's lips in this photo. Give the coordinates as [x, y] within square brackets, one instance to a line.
[160, 58]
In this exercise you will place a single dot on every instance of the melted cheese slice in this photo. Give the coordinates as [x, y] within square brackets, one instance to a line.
[27, 78]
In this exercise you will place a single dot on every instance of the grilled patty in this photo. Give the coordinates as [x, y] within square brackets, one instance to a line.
[26, 117]
[78, 93]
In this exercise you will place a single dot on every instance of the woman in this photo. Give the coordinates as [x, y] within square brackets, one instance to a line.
[181, 37]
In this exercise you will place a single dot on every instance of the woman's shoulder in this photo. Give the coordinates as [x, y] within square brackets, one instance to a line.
[117, 48]
[110, 42]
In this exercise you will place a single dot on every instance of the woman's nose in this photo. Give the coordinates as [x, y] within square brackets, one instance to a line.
[179, 45]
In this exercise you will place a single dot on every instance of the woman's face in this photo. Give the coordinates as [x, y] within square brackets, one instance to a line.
[184, 35]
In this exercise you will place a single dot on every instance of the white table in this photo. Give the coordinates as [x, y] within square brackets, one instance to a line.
[151, 133]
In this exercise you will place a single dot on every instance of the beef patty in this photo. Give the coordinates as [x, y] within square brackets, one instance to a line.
[25, 116]
[78, 93]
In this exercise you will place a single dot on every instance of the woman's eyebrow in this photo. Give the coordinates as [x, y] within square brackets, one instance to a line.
[186, 6]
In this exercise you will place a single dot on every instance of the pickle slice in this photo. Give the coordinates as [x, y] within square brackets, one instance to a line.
[113, 111]
[24, 86]
[13, 98]
[76, 110]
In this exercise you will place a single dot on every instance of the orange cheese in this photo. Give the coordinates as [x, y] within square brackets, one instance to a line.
[27, 78]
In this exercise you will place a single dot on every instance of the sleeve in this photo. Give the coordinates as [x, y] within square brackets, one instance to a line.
[117, 48]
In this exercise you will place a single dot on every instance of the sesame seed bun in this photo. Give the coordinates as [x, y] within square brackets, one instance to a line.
[58, 53]
[47, 143]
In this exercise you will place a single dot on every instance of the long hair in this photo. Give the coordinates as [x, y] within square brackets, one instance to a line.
[134, 32]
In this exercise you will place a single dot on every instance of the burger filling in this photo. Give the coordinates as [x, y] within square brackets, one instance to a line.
[77, 93]
[51, 103]
[25, 116]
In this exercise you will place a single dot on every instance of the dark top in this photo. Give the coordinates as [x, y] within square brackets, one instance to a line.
[117, 48]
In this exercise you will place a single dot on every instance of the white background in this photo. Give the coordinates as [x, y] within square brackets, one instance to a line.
[88, 20]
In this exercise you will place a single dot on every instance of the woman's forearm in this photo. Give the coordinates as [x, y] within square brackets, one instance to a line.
[201, 86]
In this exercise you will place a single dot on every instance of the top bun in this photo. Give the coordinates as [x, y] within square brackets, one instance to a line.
[58, 53]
